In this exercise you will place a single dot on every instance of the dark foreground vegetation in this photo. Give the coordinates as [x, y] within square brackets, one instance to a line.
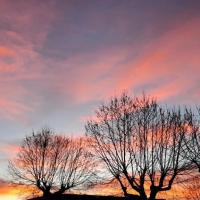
[84, 197]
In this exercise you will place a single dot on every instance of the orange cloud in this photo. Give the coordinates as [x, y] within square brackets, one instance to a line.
[4, 51]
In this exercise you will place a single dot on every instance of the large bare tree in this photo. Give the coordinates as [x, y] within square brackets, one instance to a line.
[52, 163]
[140, 142]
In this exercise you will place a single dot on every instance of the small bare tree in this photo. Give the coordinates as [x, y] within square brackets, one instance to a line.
[192, 139]
[141, 142]
[52, 163]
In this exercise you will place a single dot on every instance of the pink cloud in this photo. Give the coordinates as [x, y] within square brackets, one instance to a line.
[10, 150]
[174, 57]
[21, 38]
[84, 80]
[12, 109]
[170, 63]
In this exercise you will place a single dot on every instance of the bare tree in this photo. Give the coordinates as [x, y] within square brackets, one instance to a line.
[192, 139]
[52, 163]
[141, 142]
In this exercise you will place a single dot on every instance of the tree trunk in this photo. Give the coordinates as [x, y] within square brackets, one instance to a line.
[60, 191]
[153, 194]
[143, 195]
[46, 194]
[124, 189]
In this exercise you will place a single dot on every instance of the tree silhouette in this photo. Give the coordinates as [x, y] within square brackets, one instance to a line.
[52, 163]
[192, 139]
[140, 142]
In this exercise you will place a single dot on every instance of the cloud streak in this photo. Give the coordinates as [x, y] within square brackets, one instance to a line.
[165, 66]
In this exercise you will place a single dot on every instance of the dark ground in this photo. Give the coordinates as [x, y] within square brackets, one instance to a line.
[80, 197]
[85, 197]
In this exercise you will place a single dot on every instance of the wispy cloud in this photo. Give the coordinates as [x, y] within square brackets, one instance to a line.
[54, 56]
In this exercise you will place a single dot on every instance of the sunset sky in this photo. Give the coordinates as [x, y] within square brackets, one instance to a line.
[60, 59]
